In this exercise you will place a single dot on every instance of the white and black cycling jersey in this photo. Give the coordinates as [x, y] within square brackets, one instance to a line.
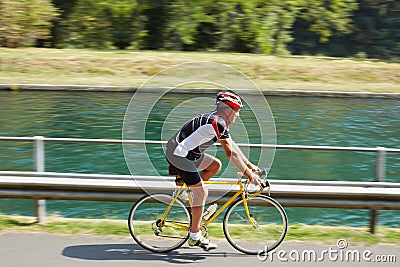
[198, 134]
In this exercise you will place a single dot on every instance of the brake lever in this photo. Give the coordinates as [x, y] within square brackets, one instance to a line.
[266, 184]
[263, 173]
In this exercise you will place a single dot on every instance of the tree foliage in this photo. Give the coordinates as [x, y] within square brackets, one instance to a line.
[235, 25]
[332, 27]
[377, 28]
[374, 32]
[24, 21]
[327, 16]
[230, 25]
[59, 29]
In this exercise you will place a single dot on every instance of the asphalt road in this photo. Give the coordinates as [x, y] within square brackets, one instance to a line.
[48, 250]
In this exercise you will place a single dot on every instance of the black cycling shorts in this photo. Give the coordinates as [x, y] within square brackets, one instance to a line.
[185, 167]
[190, 178]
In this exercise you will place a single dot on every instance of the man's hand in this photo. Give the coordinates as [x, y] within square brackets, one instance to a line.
[255, 179]
[253, 167]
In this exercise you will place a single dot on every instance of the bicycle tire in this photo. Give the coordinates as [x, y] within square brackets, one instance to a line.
[272, 225]
[146, 229]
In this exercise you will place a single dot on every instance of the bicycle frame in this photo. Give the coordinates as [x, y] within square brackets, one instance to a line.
[167, 226]
[241, 192]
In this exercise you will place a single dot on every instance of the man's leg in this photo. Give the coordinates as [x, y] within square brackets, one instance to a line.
[210, 166]
[199, 198]
[200, 194]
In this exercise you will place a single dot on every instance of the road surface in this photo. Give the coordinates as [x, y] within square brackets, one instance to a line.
[19, 249]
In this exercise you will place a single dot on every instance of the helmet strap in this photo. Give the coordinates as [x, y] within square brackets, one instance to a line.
[228, 115]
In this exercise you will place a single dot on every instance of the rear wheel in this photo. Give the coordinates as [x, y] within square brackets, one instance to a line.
[152, 232]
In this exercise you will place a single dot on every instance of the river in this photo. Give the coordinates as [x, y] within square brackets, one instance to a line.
[298, 120]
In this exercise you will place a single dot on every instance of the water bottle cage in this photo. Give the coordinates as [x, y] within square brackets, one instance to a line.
[209, 212]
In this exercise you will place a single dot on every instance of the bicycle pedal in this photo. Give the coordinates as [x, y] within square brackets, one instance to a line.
[204, 230]
[157, 231]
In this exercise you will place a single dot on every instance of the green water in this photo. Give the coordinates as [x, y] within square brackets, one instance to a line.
[299, 121]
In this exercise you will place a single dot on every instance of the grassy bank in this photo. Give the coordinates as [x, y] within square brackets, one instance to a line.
[321, 234]
[131, 68]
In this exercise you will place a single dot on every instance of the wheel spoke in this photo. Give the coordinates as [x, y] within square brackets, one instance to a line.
[265, 229]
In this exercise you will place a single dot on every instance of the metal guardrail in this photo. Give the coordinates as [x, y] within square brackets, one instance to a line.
[125, 188]
[39, 158]
[36, 185]
[108, 187]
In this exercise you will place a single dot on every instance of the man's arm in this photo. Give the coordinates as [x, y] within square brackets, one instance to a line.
[250, 165]
[237, 157]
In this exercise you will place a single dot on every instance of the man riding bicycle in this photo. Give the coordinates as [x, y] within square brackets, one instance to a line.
[185, 151]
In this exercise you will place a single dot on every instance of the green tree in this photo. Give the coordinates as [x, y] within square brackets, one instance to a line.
[87, 25]
[102, 24]
[59, 31]
[231, 25]
[122, 18]
[373, 32]
[24, 21]
[259, 26]
[184, 18]
[252, 25]
[150, 22]
[377, 29]
[325, 17]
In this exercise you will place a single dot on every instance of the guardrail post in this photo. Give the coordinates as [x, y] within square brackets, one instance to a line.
[380, 169]
[40, 204]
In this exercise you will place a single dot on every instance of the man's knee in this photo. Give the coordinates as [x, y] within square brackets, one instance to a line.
[200, 194]
[217, 165]
[210, 163]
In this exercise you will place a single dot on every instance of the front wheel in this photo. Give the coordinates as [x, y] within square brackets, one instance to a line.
[156, 228]
[258, 232]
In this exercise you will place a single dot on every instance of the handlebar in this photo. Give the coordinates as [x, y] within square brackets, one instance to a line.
[265, 183]
[262, 173]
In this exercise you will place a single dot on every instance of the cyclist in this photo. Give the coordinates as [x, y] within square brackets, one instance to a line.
[185, 151]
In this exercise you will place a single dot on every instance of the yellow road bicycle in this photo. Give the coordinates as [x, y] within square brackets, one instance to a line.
[254, 223]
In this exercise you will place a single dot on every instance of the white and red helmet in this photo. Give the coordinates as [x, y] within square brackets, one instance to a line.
[230, 99]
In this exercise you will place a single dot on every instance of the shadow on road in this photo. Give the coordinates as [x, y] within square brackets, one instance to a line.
[136, 253]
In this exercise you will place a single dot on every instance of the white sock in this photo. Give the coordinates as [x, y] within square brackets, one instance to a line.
[195, 236]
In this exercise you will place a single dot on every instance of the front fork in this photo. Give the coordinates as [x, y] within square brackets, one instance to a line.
[250, 216]
[245, 197]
